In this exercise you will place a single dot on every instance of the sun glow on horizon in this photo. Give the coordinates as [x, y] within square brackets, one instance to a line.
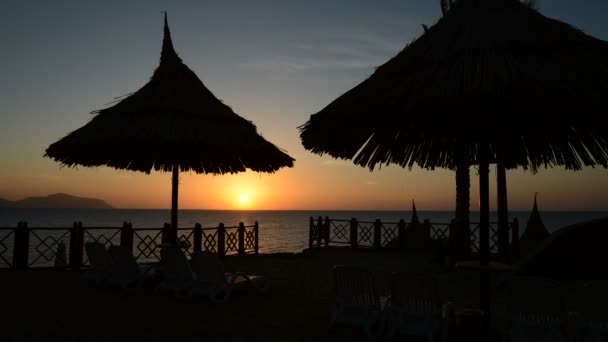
[244, 200]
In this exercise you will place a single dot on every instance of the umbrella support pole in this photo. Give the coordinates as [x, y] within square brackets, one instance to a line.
[484, 237]
[174, 186]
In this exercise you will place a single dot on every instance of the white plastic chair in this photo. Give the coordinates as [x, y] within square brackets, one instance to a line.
[177, 275]
[124, 270]
[61, 260]
[100, 263]
[415, 307]
[356, 302]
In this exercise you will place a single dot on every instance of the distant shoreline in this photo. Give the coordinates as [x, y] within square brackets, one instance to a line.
[56, 201]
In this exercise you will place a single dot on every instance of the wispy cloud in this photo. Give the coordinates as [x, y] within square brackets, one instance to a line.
[335, 51]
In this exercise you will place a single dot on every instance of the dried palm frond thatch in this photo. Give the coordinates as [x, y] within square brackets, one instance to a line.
[173, 120]
[490, 72]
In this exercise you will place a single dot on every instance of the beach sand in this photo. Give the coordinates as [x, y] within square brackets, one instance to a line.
[56, 305]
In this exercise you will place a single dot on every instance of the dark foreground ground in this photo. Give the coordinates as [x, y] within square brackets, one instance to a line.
[56, 305]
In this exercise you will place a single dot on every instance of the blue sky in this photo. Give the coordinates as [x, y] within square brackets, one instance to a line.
[273, 62]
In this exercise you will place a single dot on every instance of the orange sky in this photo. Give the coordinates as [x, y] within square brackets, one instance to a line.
[322, 183]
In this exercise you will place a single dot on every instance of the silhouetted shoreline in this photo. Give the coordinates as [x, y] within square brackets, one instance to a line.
[56, 201]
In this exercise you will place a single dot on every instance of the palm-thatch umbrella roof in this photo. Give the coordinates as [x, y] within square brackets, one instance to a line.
[172, 123]
[172, 120]
[491, 81]
[494, 71]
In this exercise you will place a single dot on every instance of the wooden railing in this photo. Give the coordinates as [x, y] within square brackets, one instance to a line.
[24, 247]
[378, 234]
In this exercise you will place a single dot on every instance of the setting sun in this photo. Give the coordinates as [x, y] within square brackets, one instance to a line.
[244, 200]
[245, 191]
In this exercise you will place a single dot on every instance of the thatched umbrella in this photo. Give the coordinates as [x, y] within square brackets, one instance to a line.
[491, 81]
[173, 123]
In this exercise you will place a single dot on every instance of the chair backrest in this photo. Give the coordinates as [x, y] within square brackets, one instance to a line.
[175, 265]
[60, 255]
[355, 286]
[123, 260]
[415, 293]
[99, 258]
[537, 300]
[208, 268]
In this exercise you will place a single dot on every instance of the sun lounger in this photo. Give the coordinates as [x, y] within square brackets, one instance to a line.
[213, 281]
[114, 266]
[356, 301]
[536, 310]
[415, 307]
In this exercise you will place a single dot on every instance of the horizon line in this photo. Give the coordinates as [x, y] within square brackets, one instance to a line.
[403, 210]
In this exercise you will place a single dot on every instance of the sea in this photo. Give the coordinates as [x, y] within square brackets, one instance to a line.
[283, 231]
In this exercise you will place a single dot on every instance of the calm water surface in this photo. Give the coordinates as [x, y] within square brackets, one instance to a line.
[280, 231]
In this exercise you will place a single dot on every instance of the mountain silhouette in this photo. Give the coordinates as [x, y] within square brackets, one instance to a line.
[59, 200]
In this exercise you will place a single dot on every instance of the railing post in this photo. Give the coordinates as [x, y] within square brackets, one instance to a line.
[319, 231]
[378, 234]
[221, 240]
[311, 226]
[354, 225]
[256, 245]
[426, 232]
[401, 232]
[241, 238]
[76, 246]
[21, 248]
[326, 229]
[514, 252]
[126, 236]
[197, 237]
[166, 237]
